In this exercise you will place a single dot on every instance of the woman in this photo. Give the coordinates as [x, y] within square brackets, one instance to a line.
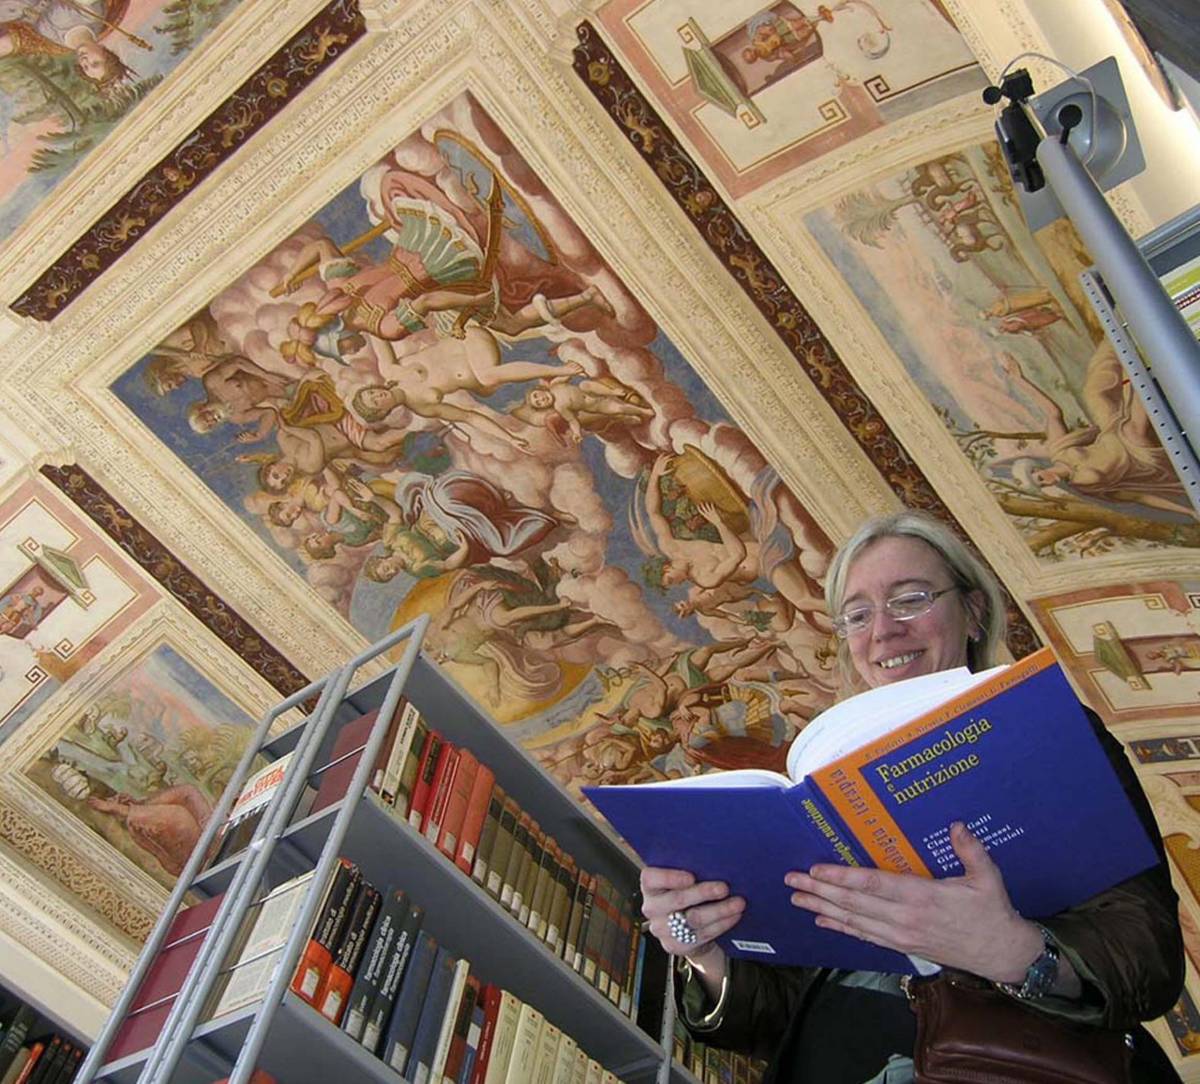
[908, 598]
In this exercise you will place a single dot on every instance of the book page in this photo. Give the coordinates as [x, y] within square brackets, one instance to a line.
[861, 719]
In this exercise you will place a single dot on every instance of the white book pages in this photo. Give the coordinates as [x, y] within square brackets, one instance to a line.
[861, 719]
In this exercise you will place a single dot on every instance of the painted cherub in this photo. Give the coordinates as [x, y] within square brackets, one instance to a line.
[566, 408]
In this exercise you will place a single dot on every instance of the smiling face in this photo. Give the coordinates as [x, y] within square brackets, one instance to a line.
[888, 650]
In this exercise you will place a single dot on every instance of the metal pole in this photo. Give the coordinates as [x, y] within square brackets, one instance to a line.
[1162, 334]
[291, 951]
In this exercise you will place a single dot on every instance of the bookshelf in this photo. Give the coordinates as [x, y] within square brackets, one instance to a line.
[281, 1033]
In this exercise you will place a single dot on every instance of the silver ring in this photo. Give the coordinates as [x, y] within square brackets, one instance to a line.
[681, 929]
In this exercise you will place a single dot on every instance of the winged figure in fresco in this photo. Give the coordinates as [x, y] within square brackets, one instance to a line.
[59, 64]
[710, 539]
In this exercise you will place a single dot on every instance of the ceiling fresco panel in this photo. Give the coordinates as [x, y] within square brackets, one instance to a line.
[991, 326]
[436, 396]
[64, 595]
[761, 91]
[71, 71]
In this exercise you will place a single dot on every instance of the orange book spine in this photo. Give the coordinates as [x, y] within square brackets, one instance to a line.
[459, 795]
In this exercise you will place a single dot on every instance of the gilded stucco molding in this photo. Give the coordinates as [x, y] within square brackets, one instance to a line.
[387, 87]
[728, 344]
[38, 850]
[34, 915]
[241, 42]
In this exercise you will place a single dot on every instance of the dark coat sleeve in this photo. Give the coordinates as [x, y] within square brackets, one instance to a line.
[759, 1004]
[1125, 943]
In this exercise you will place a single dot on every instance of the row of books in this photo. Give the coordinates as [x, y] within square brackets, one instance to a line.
[712, 1066]
[29, 1054]
[444, 792]
[370, 968]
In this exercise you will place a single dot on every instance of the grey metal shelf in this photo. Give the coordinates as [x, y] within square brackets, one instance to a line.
[281, 1033]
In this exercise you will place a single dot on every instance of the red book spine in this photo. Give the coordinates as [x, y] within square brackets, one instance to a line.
[423, 788]
[476, 814]
[459, 796]
[462, 1025]
[491, 1009]
[443, 781]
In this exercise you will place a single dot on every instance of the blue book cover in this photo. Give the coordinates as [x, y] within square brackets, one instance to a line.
[433, 1011]
[398, 1042]
[1013, 757]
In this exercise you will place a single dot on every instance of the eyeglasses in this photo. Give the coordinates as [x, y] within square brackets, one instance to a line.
[903, 607]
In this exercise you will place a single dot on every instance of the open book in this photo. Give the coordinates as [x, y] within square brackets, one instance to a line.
[876, 781]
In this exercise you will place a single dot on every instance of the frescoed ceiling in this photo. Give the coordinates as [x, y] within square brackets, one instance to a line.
[589, 328]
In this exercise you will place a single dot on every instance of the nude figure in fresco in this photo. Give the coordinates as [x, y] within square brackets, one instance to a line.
[479, 627]
[1118, 456]
[422, 381]
[723, 569]
[568, 409]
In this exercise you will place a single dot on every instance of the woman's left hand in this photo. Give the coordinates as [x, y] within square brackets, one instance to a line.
[965, 922]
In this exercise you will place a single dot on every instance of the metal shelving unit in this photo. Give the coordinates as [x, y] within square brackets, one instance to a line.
[281, 1033]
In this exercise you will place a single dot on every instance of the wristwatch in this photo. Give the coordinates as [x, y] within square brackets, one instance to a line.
[1040, 975]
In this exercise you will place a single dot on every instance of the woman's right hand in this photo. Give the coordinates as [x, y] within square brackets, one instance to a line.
[706, 905]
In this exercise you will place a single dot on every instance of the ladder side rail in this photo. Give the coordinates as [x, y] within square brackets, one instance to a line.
[192, 997]
[282, 977]
[95, 1056]
[1175, 441]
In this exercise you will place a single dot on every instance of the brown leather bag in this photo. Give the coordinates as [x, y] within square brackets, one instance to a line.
[968, 1032]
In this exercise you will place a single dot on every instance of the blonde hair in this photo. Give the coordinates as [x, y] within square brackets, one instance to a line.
[966, 570]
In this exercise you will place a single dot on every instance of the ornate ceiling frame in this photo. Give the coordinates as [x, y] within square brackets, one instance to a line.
[384, 87]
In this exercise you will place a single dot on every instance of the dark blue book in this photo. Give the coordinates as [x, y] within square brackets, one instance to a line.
[402, 1028]
[396, 970]
[433, 1014]
[374, 962]
[876, 781]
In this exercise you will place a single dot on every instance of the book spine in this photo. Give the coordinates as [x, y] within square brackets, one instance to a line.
[578, 898]
[490, 997]
[474, 1038]
[516, 856]
[375, 782]
[318, 955]
[487, 837]
[478, 803]
[540, 893]
[410, 767]
[423, 786]
[560, 906]
[527, 878]
[461, 1035]
[605, 903]
[403, 1025]
[375, 960]
[335, 992]
[31, 1063]
[508, 1016]
[47, 1061]
[590, 933]
[547, 1053]
[406, 714]
[827, 828]
[443, 784]
[525, 1046]
[433, 1011]
[456, 804]
[445, 1038]
[396, 970]
[14, 1037]
[502, 851]
[637, 956]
